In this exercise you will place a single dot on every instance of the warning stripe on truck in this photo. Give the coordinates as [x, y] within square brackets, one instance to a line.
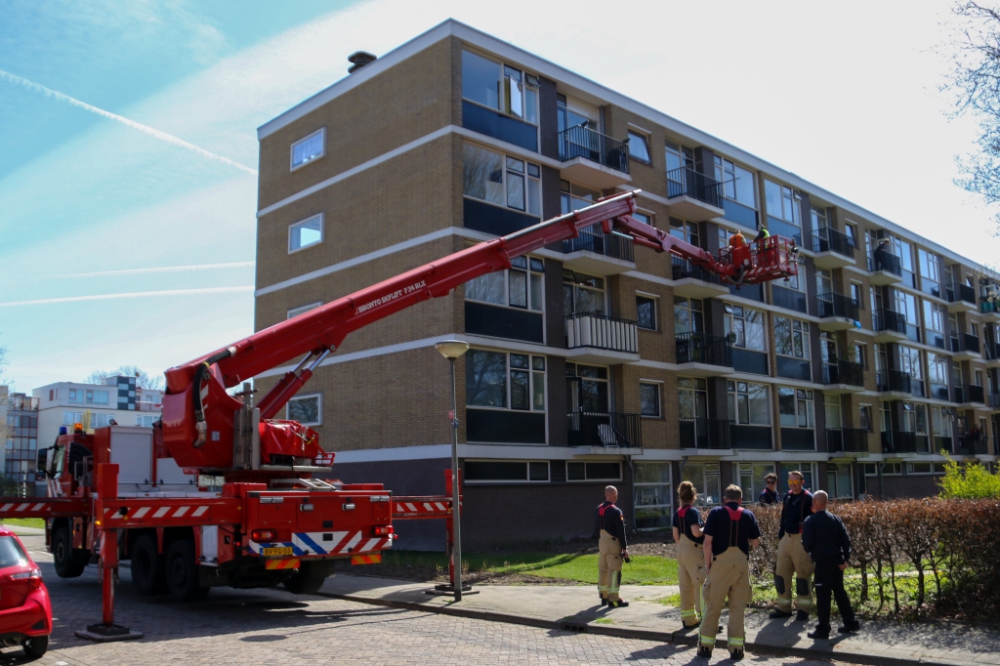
[326, 543]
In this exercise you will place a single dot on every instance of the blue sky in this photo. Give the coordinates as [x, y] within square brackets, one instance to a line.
[123, 246]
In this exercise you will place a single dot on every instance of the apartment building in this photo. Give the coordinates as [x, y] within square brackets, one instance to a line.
[594, 361]
[22, 442]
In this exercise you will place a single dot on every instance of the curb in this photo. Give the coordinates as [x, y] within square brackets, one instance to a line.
[676, 638]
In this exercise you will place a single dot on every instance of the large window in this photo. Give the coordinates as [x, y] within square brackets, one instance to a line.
[645, 312]
[705, 477]
[306, 409]
[583, 293]
[748, 403]
[796, 407]
[692, 396]
[306, 233]
[638, 147]
[588, 388]
[574, 197]
[653, 495]
[500, 87]
[308, 149]
[934, 323]
[737, 182]
[747, 326]
[909, 361]
[506, 471]
[501, 180]
[688, 316]
[807, 471]
[838, 480]
[783, 203]
[520, 286]
[593, 471]
[791, 337]
[649, 399]
[504, 381]
[751, 479]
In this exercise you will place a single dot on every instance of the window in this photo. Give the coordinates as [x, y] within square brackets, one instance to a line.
[838, 480]
[852, 234]
[653, 495]
[692, 395]
[888, 469]
[480, 80]
[832, 411]
[748, 403]
[783, 203]
[929, 265]
[72, 418]
[645, 312]
[649, 399]
[791, 337]
[795, 407]
[934, 322]
[686, 231]
[688, 317]
[638, 147]
[645, 218]
[751, 479]
[306, 409]
[308, 149]
[506, 470]
[499, 87]
[747, 325]
[805, 468]
[147, 421]
[942, 422]
[915, 418]
[587, 387]
[504, 181]
[737, 182]
[937, 368]
[861, 354]
[593, 471]
[705, 477]
[574, 197]
[583, 293]
[305, 233]
[909, 361]
[295, 312]
[97, 397]
[865, 417]
[76, 395]
[504, 381]
[919, 468]
[520, 286]
[856, 294]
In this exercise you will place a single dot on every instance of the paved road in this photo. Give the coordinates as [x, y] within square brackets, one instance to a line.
[274, 628]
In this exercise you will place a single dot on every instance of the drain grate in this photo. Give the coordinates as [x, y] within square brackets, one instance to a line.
[578, 627]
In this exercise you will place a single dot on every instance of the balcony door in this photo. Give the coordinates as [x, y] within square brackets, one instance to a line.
[583, 294]
[587, 388]
[692, 394]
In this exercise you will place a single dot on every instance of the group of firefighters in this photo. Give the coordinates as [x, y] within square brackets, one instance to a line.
[713, 560]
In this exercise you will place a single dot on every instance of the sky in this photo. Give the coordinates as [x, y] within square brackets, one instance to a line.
[128, 148]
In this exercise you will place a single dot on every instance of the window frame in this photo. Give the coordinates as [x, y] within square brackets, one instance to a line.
[506, 83]
[306, 396]
[733, 400]
[643, 137]
[730, 317]
[654, 301]
[669, 485]
[309, 160]
[723, 167]
[655, 384]
[508, 384]
[527, 472]
[786, 194]
[586, 478]
[529, 272]
[526, 175]
[753, 495]
[803, 331]
[322, 232]
[799, 396]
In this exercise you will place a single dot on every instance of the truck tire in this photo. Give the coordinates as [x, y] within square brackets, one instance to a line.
[69, 563]
[148, 575]
[35, 647]
[182, 572]
[309, 578]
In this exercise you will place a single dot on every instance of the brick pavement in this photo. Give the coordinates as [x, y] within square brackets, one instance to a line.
[275, 628]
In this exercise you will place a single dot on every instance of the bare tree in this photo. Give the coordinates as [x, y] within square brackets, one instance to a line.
[143, 379]
[975, 81]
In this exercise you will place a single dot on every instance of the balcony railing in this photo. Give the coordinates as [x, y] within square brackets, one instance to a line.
[890, 320]
[605, 429]
[831, 240]
[969, 446]
[847, 440]
[894, 380]
[832, 304]
[965, 342]
[704, 348]
[844, 372]
[960, 292]
[593, 239]
[969, 393]
[682, 268]
[704, 433]
[584, 142]
[901, 442]
[598, 331]
[686, 181]
[885, 261]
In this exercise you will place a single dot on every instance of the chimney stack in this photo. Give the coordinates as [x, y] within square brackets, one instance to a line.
[359, 59]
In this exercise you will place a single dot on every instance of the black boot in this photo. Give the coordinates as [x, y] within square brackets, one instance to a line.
[736, 655]
[621, 603]
[850, 628]
[801, 616]
[777, 614]
[704, 652]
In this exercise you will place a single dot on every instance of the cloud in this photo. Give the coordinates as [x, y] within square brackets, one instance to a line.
[163, 136]
[158, 269]
[133, 294]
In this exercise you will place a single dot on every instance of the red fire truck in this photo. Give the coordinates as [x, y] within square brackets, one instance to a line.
[130, 493]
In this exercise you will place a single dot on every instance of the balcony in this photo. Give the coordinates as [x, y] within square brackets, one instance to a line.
[971, 447]
[837, 312]
[598, 338]
[843, 377]
[694, 281]
[693, 195]
[990, 311]
[597, 253]
[889, 325]
[965, 347]
[703, 355]
[961, 298]
[994, 402]
[885, 269]
[894, 384]
[846, 440]
[905, 442]
[593, 159]
[704, 433]
[605, 431]
[991, 350]
[833, 249]
[969, 395]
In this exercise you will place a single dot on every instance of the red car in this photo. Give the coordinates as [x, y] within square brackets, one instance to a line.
[25, 611]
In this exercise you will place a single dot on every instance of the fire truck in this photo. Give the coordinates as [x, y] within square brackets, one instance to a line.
[280, 518]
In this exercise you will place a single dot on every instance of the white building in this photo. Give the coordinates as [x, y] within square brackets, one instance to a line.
[118, 400]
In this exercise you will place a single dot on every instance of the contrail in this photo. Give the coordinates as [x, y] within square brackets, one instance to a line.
[132, 294]
[160, 269]
[163, 136]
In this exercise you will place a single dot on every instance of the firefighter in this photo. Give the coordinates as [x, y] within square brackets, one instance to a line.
[739, 254]
[792, 557]
[762, 234]
[690, 559]
[612, 549]
[730, 532]
[770, 493]
[826, 540]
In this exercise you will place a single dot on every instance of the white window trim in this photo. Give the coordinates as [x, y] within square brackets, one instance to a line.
[656, 311]
[646, 135]
[504, 154]
[291, 150]
[508, 482]
[529, 271]
[319, 410]
[587, 479]
[294, 312]
[659, 400]
[322, 232]
[529, 369]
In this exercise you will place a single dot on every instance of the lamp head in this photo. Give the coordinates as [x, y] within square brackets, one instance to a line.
[452, 349]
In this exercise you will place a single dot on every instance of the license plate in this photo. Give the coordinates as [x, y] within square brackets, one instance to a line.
[277, 552]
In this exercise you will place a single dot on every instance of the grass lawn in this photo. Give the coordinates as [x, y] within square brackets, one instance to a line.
[644, 570]
[25, 522]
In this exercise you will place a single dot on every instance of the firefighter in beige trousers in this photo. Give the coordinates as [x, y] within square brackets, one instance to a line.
[612, 549]
[690, 560]
[793, 567]
[730, 532]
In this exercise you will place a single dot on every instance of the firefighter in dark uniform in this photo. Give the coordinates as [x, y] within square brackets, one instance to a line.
[612, 549]
[792, 557]
[826, 540]
[730, 532]
[770, 493]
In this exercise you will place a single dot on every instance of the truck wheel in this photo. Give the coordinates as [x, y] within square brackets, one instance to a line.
[182, 572]
[309, 578]
[36, 647]
[147, 567]
[68, 563]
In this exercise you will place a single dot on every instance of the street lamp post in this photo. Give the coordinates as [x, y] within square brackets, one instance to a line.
[453, 350]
